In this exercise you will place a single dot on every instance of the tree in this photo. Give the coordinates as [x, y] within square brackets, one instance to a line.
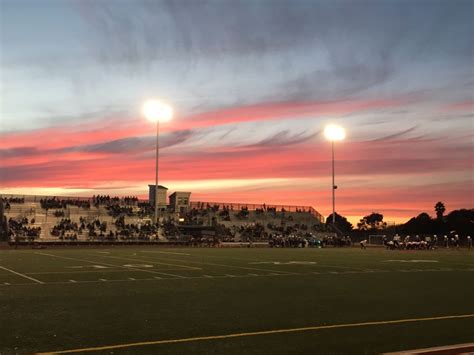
[341, 223]
[422, 224]
[371, 222]
[439, 209]
[461, 221]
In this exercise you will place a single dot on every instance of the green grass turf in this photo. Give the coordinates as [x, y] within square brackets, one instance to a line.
[156, 294]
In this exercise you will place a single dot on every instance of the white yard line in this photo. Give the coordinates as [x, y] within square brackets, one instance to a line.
[84, 271]
[156, 262]
[232, 266]
[22, 275]
[69, 272]
[114, 265]
[166, 252]
[157, 278]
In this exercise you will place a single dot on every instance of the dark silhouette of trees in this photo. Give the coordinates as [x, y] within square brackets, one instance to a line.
[421, 224]
[439, 209]
[341, 223]
[372, 222]
[461, 221]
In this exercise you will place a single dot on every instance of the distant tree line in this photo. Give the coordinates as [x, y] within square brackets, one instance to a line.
[456, 222]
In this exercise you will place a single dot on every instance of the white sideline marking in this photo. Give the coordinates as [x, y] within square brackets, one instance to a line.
[262, 332]
[228, 275]
[72, 281]
[87, 266]
[285, 262]
[22, 275]
[158, 278]
[457, 347]
[131, 279]
[253, 274]
[6, 283]
[102, 280]
[411, 261]
[72, 272]
[208, 276]
[164, 252]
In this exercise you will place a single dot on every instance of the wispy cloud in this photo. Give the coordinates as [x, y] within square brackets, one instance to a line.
[395, 135]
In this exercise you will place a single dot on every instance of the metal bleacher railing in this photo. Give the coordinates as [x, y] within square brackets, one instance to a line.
[256, 206]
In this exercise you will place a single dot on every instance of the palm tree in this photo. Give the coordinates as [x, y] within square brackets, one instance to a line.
[439, 209]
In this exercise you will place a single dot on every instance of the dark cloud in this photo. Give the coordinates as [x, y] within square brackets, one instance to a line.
[395, 135]
[136, 144]
[284, 138]
[32, 172]
[18, 152]
[144, 30]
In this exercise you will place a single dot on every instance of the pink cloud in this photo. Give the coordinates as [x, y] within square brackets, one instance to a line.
[110, 128]
[56, 157]
[461, 106]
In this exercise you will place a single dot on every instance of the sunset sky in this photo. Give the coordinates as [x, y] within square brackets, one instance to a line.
[253, 83]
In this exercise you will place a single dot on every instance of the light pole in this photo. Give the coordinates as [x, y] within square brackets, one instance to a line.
[334, 133]
[157, 111]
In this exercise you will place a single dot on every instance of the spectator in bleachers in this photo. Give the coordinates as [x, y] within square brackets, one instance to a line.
[19, 229]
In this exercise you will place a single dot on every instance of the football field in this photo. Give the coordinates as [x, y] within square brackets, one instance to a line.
[149, 300]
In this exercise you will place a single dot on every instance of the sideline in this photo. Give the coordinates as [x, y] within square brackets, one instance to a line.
[22, 275]
[265, 332]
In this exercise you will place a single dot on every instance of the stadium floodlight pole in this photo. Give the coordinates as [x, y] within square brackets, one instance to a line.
[334, 133]
[157, 111]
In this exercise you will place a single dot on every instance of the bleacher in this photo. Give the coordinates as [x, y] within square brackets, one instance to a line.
[230, 219]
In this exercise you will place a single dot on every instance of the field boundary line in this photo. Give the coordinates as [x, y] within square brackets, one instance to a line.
[114, 265]
[168, 252]
[231, 266]
[264, 332]
[156, 262]
[22, 275]
[436, 349]
[87, 271]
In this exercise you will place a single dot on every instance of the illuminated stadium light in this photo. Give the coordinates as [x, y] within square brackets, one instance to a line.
[334, 133]
[157, 111]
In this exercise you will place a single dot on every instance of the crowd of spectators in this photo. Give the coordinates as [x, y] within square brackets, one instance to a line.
[7, 201]
[124, 231]
[118, 210]
[114, 200]
[65, 229]
[308, 240]
[19, 229]
[251, 232]
[204, 241]
[56, 203]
